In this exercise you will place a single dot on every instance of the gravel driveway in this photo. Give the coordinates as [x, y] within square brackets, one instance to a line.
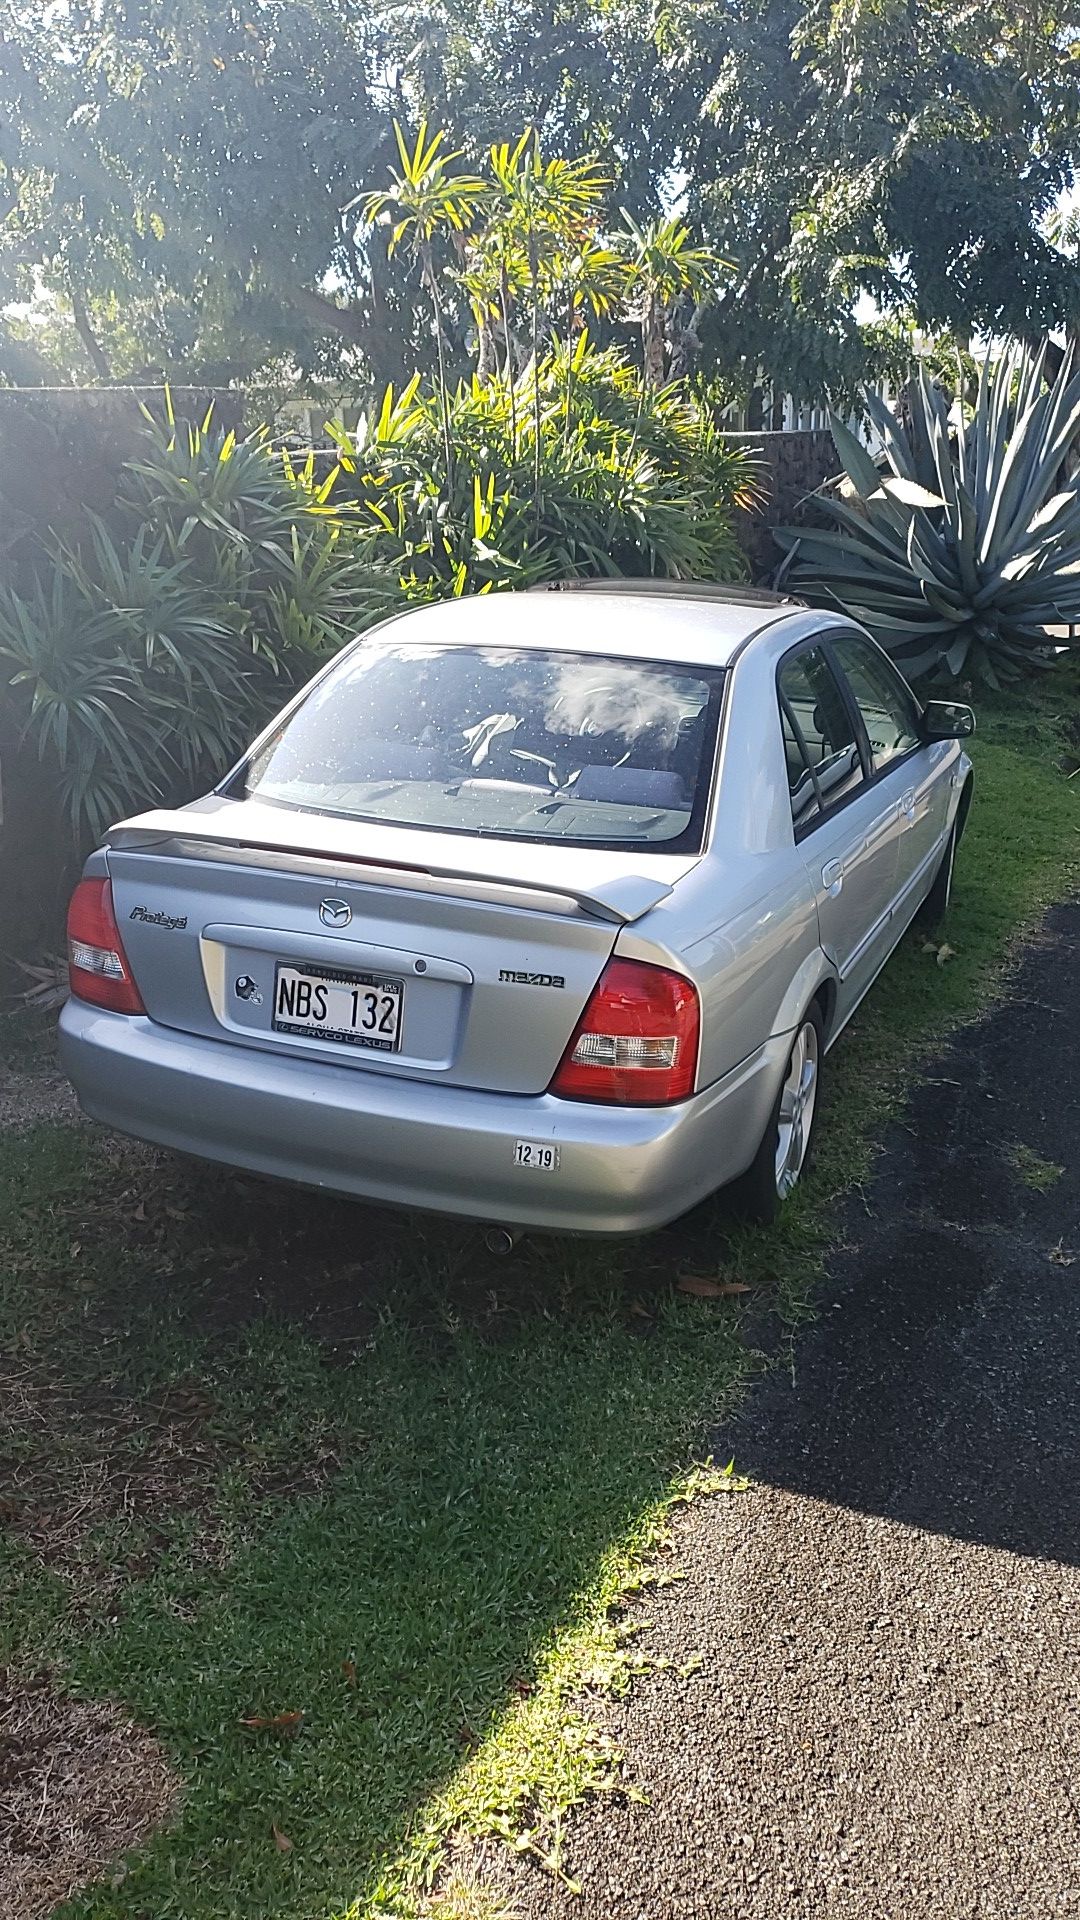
[886, 1720]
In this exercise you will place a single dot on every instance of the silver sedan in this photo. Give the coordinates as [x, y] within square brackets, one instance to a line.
[538, 909]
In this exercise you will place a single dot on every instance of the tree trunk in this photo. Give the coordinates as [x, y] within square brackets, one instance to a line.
[654, 364]
[511, 370]
[534, 277]
[684, 343]
[384, 353]
[325, 313]
[96, 352]
[570, 344]
[487, 347]
[427, 272]
[377, 263]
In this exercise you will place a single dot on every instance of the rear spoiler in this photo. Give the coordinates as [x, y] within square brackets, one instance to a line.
[621, 900]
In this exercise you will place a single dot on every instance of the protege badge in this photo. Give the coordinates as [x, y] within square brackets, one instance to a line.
[515, 979]
[171, 921]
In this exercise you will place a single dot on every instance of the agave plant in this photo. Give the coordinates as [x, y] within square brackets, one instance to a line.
[962, 546]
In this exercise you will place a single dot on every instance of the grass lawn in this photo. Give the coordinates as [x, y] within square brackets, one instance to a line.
[274, 1455]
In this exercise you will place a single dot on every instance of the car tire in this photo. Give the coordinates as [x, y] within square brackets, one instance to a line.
[936, 905]
[784, 1153]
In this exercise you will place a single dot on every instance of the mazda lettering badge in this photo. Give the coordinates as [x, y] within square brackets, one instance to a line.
[335, 913]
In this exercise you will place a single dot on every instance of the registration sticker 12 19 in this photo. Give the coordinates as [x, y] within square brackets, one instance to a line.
[536, 1153]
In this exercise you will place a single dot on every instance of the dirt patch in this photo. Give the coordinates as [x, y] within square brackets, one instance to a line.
[101, 1469]
[33, 1089]
[32, 1095]
[80, 1785]
[104, 1476]
[96, 1481]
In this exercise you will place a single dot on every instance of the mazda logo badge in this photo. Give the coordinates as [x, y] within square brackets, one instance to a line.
[335, 913]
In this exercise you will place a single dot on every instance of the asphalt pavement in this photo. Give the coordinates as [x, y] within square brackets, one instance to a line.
[873, 1706]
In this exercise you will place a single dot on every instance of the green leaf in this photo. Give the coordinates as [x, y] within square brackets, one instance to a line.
[858, 463]
[910, 493]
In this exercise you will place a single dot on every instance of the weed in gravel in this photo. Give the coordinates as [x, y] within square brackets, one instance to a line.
[465, 1899]
[1038, 1174]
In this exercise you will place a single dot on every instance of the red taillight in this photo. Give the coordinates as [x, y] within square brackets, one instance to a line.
[98, 967]
[636, 1043]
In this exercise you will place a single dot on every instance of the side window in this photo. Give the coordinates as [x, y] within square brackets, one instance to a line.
[889, 712]
[822, 755]
[804, 800]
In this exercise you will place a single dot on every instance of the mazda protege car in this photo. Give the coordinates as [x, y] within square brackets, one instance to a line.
[541, 909]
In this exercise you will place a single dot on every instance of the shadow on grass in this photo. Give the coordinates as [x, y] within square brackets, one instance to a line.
[484, 1431]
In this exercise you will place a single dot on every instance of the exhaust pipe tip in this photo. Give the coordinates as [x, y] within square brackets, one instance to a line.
[500, 1240]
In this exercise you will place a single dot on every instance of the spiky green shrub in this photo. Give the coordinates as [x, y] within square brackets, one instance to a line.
[962, 546]
[137, 662]
[631, 481]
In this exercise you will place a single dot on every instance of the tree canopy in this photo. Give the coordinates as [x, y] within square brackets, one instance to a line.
[174, 173]
[181, 181]
[912, 150]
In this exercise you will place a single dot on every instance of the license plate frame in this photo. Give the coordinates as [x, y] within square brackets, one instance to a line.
[360, 986]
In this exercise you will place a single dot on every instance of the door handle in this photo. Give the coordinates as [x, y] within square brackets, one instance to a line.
[907, 808]
[832, 877]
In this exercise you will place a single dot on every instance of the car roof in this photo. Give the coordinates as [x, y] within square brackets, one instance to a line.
[695, 630]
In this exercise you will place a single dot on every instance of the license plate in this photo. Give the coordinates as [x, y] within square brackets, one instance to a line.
[357, 1009]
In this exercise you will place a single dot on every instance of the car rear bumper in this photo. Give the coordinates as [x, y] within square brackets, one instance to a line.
[409, 1143]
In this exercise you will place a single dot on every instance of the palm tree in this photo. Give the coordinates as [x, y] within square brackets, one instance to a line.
[480, 281]
[594, 277]
[663, 268]
[550, 208]
[494, 278]
[423, 201]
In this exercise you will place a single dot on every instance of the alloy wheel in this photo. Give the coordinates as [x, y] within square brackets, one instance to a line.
[797, 1103]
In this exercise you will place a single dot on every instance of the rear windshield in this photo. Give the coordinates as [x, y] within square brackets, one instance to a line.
[506, 742]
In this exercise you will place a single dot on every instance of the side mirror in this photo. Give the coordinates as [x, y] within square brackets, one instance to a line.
[947, 720]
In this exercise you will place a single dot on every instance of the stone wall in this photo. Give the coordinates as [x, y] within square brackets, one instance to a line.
[795, 465]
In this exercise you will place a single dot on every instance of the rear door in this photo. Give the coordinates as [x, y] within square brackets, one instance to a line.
[846, 826]
[916, 772]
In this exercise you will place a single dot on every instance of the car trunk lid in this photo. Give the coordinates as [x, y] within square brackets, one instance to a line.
[490, 951]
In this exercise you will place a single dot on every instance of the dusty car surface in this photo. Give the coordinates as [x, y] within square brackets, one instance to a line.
[541, 909]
